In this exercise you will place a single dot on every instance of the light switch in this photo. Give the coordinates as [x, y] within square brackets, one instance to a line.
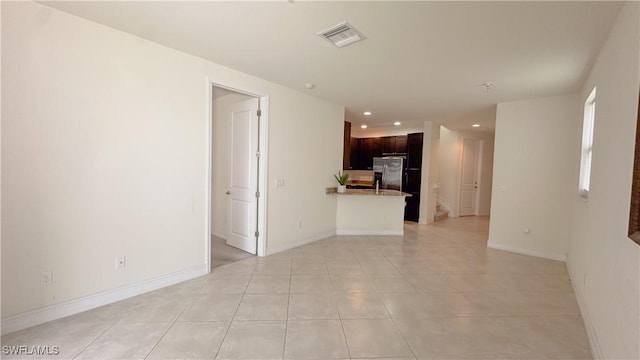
[279, 183]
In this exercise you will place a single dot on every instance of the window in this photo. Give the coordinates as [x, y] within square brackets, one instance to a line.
[587, 143]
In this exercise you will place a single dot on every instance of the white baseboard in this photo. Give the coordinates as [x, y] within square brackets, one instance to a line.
[557, 257]
[596, 352]
[75, 306]
[369, 232]
[276, 249]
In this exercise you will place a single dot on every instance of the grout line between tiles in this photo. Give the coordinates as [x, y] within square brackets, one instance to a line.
[167, 331]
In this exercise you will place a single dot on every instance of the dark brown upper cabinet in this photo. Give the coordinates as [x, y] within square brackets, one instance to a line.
[346, 154]
[394, 145]
[414, 151]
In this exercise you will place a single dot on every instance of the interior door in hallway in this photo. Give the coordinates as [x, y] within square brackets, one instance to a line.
[469, 176]
[242, 201]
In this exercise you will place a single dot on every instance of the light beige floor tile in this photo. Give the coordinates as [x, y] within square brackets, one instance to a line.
[238, 268]
[459, 336]
[157, 310]
[263, 307]
[227, 285]
[391, 284]
[360, 306]
[212, 307]
[375, 338]
[314, 257]
[550, 335]
[568, 356]
[338, 268]
[377, 268]
[310, 268]
[505, 303]
[369, 255]
[310, 284]
[430, 282]
[480, 282]
[254, 340]
[269, 284]
[273, 268]
[554, 303]
[126, 341]
[415, 267]
[537, 316]
[402, 305]
[190, 340]
[312, 306]
[186, 288]
[108, 313]
[350, 284]
[551, 282]
[284, 256]
[68, 336]
[385, 358]
[315, 339]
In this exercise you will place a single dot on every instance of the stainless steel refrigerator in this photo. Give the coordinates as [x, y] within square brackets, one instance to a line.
[391, 170]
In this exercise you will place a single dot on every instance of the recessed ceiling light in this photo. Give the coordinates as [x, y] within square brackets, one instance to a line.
[366, 113]
[476, 125]
[363, 126]
[309, 86]
[397, 123]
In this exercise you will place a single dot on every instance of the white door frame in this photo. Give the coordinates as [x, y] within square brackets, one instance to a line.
[262, 163]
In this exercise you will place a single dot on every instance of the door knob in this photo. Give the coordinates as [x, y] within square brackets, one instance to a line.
[228, 192]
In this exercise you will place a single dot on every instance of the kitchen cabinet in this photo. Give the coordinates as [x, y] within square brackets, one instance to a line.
[355, 154]
[346, 154]
[369, 148]
[363, 150]
[394, 145]
[414, 151]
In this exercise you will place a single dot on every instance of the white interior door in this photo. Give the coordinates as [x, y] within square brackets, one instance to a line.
[242, 201]
[469, 176]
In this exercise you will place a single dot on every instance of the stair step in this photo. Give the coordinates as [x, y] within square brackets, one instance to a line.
[441, 215]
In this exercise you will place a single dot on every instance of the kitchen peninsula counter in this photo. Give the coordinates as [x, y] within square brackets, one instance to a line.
[363, 212]
[371, 192]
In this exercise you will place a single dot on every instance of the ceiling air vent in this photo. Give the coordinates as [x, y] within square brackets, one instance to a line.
[342, 34]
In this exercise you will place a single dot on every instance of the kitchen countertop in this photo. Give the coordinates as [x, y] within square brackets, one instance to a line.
[367, 192]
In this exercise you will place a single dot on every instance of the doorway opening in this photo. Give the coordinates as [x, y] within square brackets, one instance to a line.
[237, 186]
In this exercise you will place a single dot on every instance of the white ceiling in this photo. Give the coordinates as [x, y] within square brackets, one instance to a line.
[420, 61]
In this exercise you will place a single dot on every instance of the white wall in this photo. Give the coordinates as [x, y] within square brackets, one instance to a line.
[449, 162]
[534, 175]
[220, 160]
[104, 153]
[604, 264]
[450, 158]
[430, 167]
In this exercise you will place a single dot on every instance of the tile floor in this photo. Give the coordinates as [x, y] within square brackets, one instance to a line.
[223, 254]
[436, 293]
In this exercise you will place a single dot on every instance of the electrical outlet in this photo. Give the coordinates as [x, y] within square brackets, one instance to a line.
[121, 261]
[46, 278]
